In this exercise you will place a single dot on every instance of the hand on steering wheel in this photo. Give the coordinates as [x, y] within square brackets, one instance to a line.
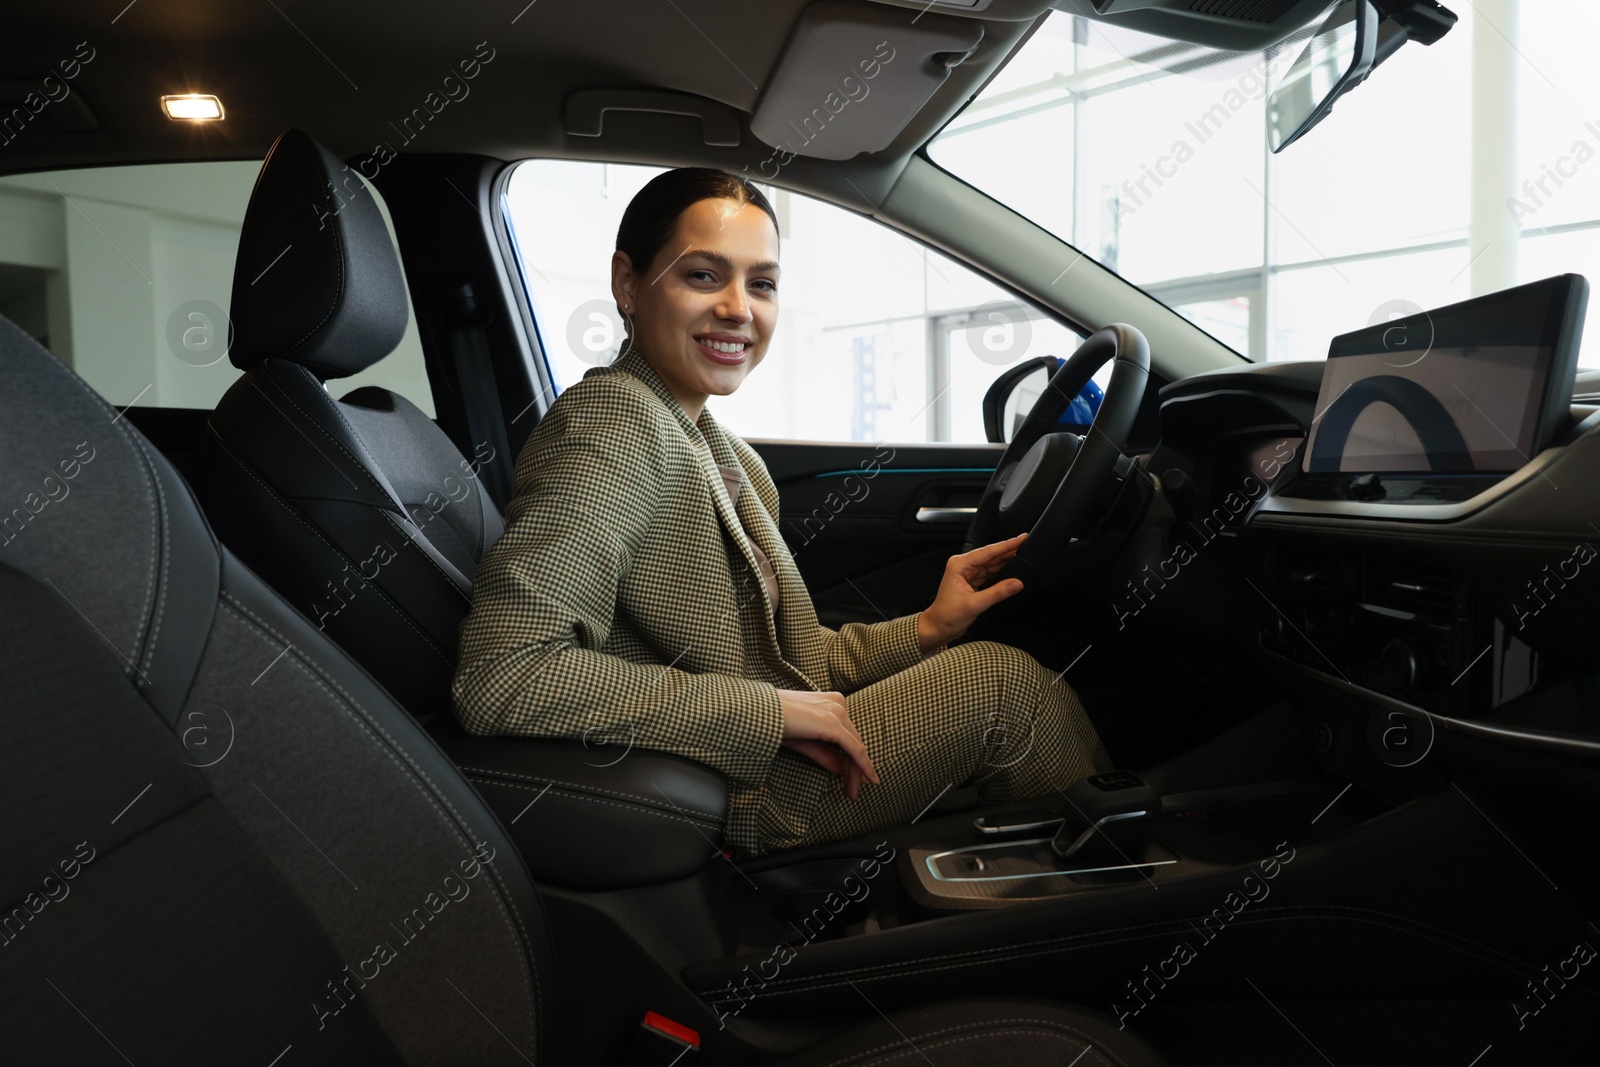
[967, 591]
[1053, 484]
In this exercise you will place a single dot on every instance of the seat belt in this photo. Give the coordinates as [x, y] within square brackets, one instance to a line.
[469, 348]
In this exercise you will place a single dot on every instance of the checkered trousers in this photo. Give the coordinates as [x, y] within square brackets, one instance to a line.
[981, 713]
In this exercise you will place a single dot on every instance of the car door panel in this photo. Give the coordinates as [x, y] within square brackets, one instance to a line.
[870, 525]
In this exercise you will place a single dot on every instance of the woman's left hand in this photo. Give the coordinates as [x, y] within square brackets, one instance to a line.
[964, 592]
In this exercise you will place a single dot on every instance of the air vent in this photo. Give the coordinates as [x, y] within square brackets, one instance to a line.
[1305, 571]
[1413, 586]
[1245, 10]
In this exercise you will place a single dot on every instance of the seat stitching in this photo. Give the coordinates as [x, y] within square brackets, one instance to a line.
[800, 985]
[483, 520]
[348, 425]
[590, 799]
[127, 433]
[338, 259]
[395, 752]
[590, 789]
[984, 1030]
[166, 558]
[273, 493]
[336, 442]
[420, 551]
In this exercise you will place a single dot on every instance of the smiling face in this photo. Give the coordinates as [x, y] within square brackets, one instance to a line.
[704, 311]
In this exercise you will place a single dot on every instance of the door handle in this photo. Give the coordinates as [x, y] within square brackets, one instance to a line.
[927, 514]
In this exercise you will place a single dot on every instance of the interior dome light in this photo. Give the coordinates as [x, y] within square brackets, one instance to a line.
[192, 106]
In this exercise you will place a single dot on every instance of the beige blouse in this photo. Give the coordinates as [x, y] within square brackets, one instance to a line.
[733, 479]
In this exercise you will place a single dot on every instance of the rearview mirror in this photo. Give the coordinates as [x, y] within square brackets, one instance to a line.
[1338, 57]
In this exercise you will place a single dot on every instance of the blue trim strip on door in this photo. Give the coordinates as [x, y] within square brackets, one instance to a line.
[909, 470]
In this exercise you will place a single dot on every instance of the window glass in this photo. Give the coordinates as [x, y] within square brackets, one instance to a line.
[986, 136]
[1311, 305]
[1542, 256]
[1191, 171]
[1227, 319]
[879, 337]
[125, 274]
[1558, 125]
[1150, 156]
[1390, 167]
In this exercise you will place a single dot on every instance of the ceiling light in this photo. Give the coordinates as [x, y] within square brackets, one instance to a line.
[196, 107]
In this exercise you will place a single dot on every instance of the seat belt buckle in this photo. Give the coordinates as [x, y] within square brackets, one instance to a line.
[661, 1042]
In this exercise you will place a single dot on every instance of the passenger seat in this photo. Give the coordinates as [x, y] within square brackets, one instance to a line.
[359, 510]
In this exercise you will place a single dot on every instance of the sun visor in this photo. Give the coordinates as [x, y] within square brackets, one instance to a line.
[853, 75]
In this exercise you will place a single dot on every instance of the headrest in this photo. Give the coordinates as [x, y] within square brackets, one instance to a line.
[316, 281]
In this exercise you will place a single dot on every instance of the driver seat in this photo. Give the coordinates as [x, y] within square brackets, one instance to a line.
[214, 820]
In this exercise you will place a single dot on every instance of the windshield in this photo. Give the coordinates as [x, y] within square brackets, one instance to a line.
[1456, 169]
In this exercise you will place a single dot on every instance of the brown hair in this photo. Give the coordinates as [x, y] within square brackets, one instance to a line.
[654, 211]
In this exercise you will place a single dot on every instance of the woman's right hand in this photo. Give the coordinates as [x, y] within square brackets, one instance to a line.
[814, 723]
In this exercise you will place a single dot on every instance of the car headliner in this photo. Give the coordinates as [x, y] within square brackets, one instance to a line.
[347, 73]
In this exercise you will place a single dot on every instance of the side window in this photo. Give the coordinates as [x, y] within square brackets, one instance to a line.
[879, 337]
[125, 274]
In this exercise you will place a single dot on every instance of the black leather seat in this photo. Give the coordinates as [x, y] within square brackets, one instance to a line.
[359, 510]
[222, 838]
[225, 843]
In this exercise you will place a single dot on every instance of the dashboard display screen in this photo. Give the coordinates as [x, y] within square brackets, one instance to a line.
[1462, 389]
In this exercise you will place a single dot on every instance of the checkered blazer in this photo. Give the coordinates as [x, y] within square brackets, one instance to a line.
[623, 604]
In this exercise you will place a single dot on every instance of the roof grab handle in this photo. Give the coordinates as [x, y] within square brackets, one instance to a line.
[585, 112]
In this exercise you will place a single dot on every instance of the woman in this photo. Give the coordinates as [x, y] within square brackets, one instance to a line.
[642, 595]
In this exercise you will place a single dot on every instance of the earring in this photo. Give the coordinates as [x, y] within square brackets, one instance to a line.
[627, 338]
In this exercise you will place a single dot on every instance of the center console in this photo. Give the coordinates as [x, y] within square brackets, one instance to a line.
[1102, 835]
[1247, 856]
[1389, 567]
[1389, 624]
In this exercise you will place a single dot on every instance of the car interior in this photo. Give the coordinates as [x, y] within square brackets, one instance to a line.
[1335, 622]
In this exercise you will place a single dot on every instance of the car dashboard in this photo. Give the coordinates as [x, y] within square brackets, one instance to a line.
[1472, 615]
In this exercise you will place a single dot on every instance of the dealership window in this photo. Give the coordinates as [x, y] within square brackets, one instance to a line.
[879, 337]
[1151, 157]
[126, 273]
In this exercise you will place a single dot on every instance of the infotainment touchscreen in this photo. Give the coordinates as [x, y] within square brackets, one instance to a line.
[1478, 387]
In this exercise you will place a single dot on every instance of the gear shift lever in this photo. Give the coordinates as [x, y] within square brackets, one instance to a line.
[1100, 801]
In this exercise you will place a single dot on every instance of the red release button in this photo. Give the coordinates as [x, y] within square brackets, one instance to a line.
[662, 1024]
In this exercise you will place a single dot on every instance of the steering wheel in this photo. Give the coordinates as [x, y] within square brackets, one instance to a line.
[1051, 484]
